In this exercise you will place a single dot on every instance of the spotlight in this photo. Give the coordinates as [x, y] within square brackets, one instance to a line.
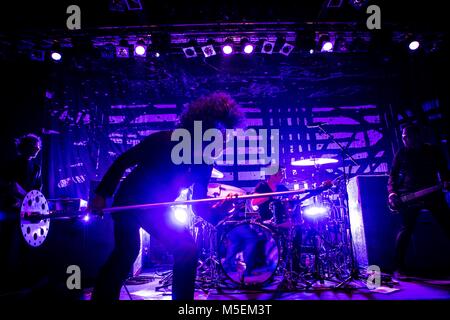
[227, 49]
[56, 56]
[180, 215]
[122, 50]
[86, 218]
[325, 44]
[55, 52]
[315, 211]
[140, 49]
[208, 51]
[267, 47]
[248, 48]
[340, 45]
[189, 52]
[414, 45]
[37, 55]
[286, 49]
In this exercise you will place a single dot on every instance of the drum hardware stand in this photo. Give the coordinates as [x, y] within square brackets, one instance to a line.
[354, 273]
[289, 282]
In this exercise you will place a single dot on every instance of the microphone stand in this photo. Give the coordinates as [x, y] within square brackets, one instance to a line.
[354, 273]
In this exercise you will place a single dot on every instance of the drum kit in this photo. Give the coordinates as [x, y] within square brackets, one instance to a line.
[306, 239]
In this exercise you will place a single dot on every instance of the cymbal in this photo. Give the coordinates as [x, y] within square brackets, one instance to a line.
[222, 190]
[216, 174]
[313, 162]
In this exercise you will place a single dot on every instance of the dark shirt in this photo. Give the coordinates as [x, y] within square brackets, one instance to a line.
[264, 208]
[154, 178]
[413, 170]
[26, 173]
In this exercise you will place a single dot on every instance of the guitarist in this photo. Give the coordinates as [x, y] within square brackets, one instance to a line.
[415, 167]
[17, 177]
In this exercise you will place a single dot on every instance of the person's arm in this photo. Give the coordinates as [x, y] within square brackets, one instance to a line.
[393, 196]
[202, 175]
[129, 158]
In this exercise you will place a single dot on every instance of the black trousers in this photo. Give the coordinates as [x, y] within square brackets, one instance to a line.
[438, 207]
[127, 244]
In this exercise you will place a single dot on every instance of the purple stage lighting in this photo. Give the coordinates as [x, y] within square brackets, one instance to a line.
[315, 211]
[140, 50]
[227, 49]
[180, 215]
[414, 45]
[248, 48]
[327, 46]
[56, 56]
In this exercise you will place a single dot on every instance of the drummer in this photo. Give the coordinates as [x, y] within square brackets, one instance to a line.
[272, 211]
[272, 183]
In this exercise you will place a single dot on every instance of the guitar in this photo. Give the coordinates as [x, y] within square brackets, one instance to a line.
[412, 198]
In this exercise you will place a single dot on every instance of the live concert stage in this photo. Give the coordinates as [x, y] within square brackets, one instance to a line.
[224, 151]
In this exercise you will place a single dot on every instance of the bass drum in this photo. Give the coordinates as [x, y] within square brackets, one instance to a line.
[249, 253]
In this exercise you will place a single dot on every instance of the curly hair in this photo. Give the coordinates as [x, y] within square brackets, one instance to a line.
[27, 141]
[216, 110]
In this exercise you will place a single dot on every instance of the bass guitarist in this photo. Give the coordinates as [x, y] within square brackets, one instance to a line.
[417, 167]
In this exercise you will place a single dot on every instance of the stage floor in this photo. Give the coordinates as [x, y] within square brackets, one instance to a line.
[149, 285]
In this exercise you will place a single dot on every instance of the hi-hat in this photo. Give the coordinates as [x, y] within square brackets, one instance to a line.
[313, 162]
[216, 174]
[223, 190]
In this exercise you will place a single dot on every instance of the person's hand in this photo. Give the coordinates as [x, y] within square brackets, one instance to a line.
[226, 205]
[98, 203]
[394, 201]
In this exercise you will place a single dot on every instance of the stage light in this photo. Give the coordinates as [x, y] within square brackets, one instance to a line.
[140, 49]
[286, 49]
[327, 47]
[227, 49]
[246, 46]
[315, 211]
[208, 51]
[123, 50]
[414, 45]
[324, 44]
[56, 56]
[311, 51]
[180, 215]
[189, 52]
[86, 218]
[267, 47]
[37, 55]
[340, 45]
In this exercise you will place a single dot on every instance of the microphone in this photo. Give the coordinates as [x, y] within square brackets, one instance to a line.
[315, 125]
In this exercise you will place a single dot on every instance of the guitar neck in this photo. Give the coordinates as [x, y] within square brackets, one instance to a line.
[420, 193]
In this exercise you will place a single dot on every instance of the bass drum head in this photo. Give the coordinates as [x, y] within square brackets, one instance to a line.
[249, 253]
